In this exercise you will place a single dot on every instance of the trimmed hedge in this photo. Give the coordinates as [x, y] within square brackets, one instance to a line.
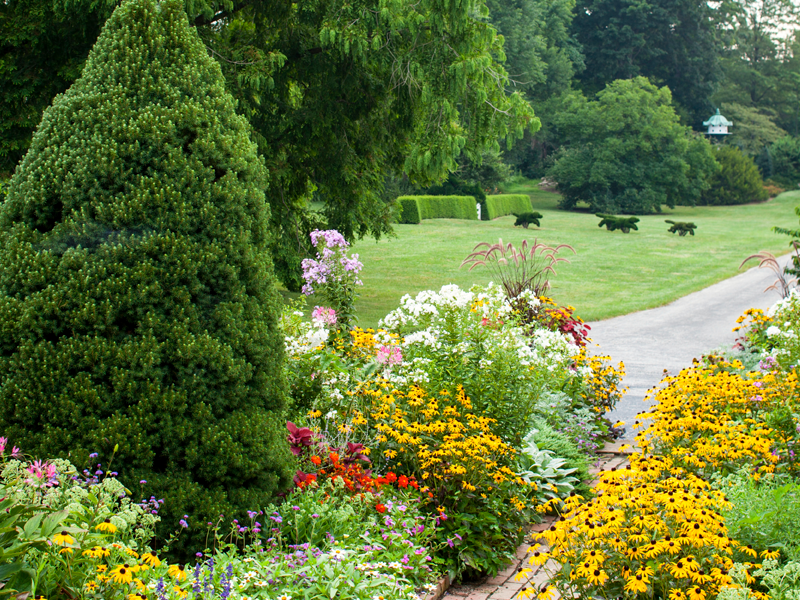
[506, 204]
[414, 209]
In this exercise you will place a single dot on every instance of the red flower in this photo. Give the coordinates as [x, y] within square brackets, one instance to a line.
[380, 508]
[402, 481]
[390, 477]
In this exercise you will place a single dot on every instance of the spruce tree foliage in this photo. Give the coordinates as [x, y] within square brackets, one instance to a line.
[738, 180]
[137, 303]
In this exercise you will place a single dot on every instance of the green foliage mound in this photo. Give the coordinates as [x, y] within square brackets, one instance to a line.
[414, 209]
[784, 157]
[738, 180]
[501, 205]
[681, 227]
[627, 152]
[137, 303]
[614, 223]
[528, 218]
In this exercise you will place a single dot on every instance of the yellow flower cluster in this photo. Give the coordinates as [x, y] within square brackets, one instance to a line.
[652, 528]
[602, 388]
[709, 419]
[753, 318]
[439, 438]
[120, 567]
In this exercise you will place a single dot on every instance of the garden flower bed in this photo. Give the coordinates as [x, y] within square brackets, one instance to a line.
[710, 504]
[424, 448]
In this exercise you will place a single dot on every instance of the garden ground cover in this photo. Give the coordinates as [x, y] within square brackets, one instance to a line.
[612, 273]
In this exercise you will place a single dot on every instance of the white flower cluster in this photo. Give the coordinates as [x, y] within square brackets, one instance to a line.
[447, 320]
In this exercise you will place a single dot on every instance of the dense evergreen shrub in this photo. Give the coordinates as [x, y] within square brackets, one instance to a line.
[137, 304]
[501, 205]
[738, 180]
[414, 209]
[785, 161]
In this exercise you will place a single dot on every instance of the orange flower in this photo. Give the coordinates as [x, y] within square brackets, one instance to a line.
[334, 457]
[316, 460]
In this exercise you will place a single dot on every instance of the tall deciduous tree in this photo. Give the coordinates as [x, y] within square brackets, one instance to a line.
[340, 93]
[137, 300]
[626, 151]
[761, 59]
[671, 42]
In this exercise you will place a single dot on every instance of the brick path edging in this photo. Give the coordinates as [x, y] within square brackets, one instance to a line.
[503, 586]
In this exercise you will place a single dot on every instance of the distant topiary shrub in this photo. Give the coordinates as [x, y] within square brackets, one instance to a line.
[738, 181]
[614, 223]
[414, 209]
[502, 205]
[137, 302]
[528, 218]
[681, 227]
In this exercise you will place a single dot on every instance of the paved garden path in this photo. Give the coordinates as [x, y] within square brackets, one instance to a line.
[669, 337]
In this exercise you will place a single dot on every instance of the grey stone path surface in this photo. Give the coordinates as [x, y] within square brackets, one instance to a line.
[670, 336]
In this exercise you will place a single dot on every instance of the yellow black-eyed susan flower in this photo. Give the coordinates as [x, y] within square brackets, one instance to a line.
[63, 538]
[121, 574]
[177, 572]
[106, 526]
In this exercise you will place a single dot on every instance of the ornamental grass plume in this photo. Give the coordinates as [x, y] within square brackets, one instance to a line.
[526, 268]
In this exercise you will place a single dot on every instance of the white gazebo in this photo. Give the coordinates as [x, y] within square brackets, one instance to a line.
[717, 125]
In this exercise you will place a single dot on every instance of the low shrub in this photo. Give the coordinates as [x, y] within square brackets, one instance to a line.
[414, 209]
[501, 205]
[773, 190]
[528, 218]
[614, 223]
[681, 227]
[738, 181]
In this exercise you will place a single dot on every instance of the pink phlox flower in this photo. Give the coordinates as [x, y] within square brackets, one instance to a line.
[3, 442]
[389, 355]
[323, 315]
[333, 239]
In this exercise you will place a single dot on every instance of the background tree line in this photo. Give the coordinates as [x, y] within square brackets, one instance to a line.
[352, 103]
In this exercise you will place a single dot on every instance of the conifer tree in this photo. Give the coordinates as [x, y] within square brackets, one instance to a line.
[137, 304]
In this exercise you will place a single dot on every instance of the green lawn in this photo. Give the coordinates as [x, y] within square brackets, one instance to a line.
[612, 274]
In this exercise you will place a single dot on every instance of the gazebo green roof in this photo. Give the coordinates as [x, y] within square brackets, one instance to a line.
[717, 121]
